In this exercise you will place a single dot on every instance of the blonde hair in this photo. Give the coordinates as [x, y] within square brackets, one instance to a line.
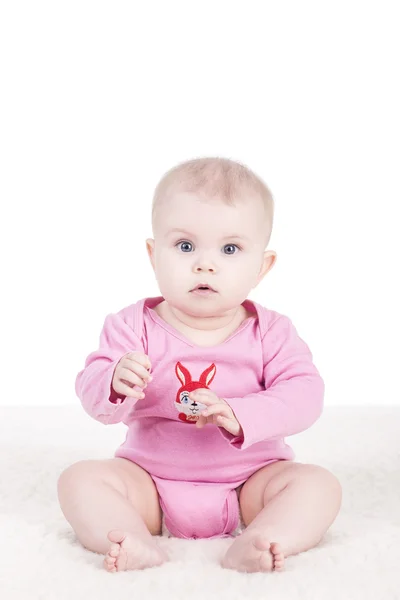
[215, 177]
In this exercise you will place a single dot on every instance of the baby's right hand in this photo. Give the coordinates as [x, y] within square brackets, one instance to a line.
[132, 370]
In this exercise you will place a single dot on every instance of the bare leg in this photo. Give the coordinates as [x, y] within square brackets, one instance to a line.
[112, 505]
[288, 507]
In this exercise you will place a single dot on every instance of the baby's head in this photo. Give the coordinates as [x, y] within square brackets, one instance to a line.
[212, 220]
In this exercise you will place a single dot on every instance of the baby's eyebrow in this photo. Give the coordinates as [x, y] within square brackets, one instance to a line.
[192, 235]
[236, 237]
[177, 230]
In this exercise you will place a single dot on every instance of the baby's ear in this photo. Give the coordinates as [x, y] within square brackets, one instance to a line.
[269, 261]
[150, 250]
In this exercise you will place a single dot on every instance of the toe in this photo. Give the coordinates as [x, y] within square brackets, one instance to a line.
[108, 566]
[279, 557]
[266, 562]
[276, 548]
[116, 536]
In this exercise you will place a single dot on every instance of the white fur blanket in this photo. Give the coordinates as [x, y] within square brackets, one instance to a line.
[40, 558]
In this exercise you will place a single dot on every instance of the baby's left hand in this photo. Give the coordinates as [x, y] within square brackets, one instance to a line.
[218, 411]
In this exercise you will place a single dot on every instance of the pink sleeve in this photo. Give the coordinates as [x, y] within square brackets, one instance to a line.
[294, 390]
[93, 383]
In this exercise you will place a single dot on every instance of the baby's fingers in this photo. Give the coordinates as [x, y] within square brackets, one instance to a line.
[137, 369]
[203, 397]
[130, 378]
[126, 390]
[201, 421]
[140, 358]
[217, 409]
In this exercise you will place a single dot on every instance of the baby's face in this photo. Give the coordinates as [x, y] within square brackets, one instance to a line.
[197, 242]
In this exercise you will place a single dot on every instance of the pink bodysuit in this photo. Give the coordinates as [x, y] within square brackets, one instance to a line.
[264, 371]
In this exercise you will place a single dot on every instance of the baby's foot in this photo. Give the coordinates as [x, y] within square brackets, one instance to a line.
[129, 551]
[251, 552]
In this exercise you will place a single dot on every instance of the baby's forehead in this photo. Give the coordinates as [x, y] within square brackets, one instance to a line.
[181, 203]
[190, 214]
[188, 204]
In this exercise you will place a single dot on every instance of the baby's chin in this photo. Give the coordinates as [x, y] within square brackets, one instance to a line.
[194, 308]
[204, 307]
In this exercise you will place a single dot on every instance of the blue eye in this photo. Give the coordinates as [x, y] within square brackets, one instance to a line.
[184, 399]
[232, 247]
[184, 246]
[188, 247]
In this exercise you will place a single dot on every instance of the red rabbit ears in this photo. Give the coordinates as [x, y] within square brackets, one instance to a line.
[185, 377]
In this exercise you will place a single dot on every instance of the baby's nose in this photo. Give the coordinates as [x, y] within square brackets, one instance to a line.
[204, 262]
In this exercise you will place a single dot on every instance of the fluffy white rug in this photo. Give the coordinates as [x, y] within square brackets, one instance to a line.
[40, 558]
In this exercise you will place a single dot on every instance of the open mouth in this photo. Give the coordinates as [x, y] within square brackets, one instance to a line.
[203, 290]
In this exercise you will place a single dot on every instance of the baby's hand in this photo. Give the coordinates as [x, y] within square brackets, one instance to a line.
[131, 371]
[218, 411]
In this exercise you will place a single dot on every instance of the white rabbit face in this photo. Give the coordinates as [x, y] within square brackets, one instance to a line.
[188, 406]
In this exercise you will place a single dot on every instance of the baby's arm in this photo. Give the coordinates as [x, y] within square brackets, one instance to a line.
[294, 390]
[93, 383]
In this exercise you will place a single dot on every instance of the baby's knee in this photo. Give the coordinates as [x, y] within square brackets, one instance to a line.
[73, 475]
[324, 481]
[326, 478]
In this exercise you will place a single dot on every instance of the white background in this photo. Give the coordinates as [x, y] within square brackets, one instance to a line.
[98, 99]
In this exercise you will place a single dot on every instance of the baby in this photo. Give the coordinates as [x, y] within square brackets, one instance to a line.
[209, 384]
